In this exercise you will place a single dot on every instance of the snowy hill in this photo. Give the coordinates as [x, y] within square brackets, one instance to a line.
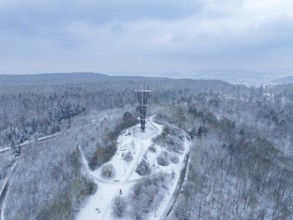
[140, 157]
[51, 78]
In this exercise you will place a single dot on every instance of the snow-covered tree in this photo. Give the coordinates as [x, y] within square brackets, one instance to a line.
[118, 206]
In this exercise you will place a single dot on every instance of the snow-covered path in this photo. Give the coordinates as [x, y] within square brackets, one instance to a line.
[4, 149]
[168, 202]
[4, 191]
[184, 172]
[98, 206]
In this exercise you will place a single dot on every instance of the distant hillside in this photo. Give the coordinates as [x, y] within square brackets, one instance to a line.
[51, 78]
[247, 78]
[244, 77]
[288, 79]
[48, 79]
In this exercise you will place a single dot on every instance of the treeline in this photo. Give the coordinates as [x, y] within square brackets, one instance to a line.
[241, 159]
[35, 109]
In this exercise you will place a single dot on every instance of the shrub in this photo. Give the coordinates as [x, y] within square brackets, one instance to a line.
[163, 159]
[175, 159]
[175, 145]
[128, 157]
[136, 190]
[172, 139]
[118, 206]
[202, 132]
[143, 168]
[181, 210]
[152, 148]
[108, 171]
[146, 195]
[89, 188]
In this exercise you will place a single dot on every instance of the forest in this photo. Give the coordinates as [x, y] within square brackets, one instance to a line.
[240, 164]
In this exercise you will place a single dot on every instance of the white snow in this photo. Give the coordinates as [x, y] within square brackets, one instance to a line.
[98, 206]
[4, 149]
[2, 189]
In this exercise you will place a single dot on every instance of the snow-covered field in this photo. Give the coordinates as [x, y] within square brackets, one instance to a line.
[132, 142]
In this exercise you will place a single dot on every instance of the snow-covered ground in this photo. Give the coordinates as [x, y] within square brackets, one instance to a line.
[4, 188]
[5, 149]
[131, 141]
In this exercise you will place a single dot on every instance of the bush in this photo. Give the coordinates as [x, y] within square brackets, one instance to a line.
[118, 206]
[137, 190]
[128, 157]
[163, 159]
[175, 145]
[108, 171]
[143, 168]
[172, 139]
[181, 210]
[16, 150]
[175, 159]
[152, 148]
[202, 132]
[89, 188]
[146, 195]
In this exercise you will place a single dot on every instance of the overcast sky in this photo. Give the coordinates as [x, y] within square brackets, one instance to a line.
[144, 36]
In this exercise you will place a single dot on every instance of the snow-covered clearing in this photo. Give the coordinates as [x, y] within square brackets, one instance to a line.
[132, 142]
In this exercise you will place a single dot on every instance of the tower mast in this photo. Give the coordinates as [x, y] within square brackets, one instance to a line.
[142, 97]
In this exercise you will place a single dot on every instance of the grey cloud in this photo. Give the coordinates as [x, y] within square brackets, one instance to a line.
[27, 18]
[137, 37]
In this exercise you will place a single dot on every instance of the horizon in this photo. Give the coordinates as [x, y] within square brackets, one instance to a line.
[247, 78]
